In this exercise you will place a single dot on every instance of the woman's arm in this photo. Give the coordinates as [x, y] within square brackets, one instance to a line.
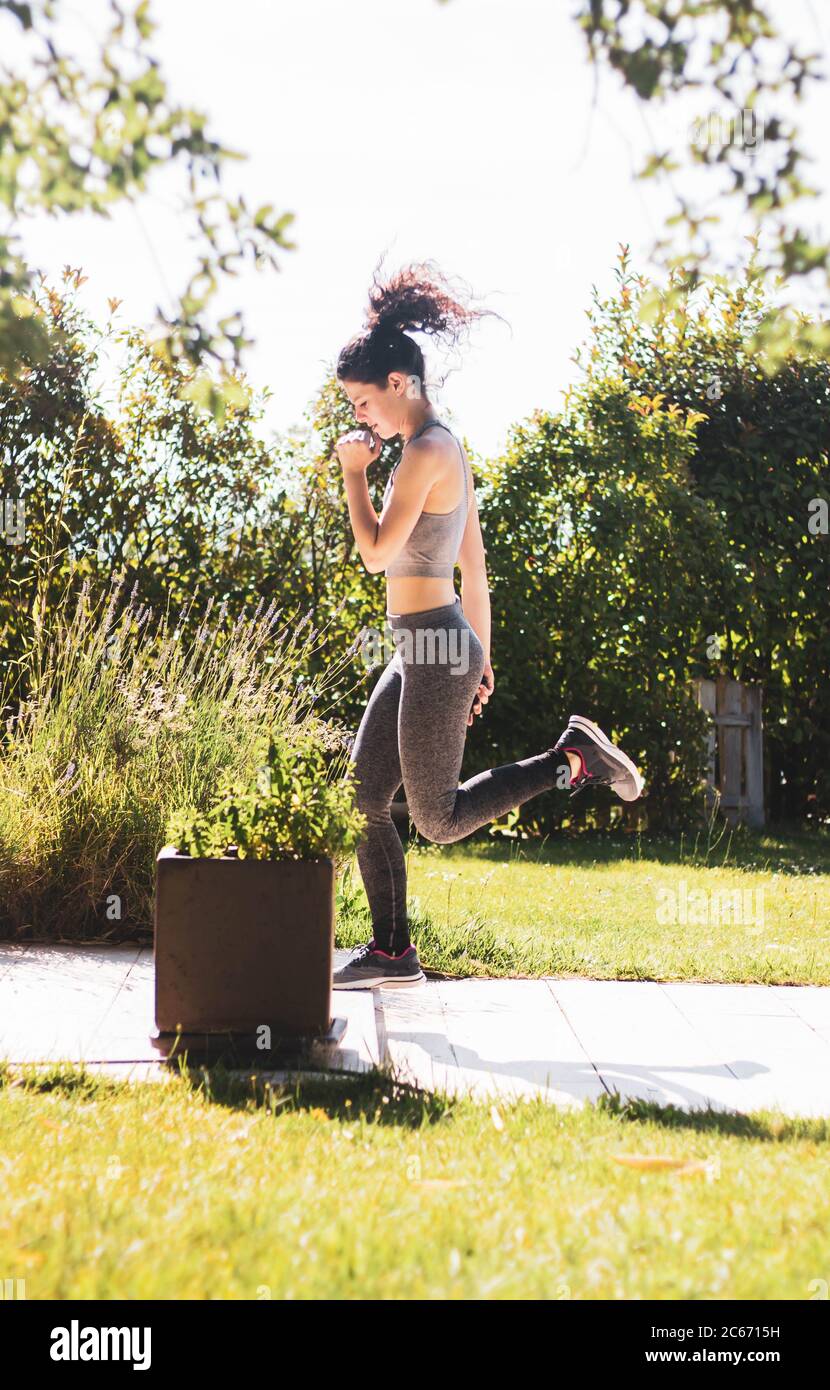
[475, 600]
[475, 603]
[472, 561]
[380, 539]
[362, 515]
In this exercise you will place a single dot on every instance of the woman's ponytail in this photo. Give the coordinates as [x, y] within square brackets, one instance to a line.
[417, 299]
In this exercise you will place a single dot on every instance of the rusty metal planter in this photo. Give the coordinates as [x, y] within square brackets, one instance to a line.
[242, 943]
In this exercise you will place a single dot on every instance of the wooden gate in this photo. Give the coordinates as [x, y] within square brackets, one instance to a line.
[735, 747]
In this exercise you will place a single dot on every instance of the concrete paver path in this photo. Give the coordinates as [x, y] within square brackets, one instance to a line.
[734, 1047]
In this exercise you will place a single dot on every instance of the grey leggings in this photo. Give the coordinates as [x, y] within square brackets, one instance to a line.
[413, 732]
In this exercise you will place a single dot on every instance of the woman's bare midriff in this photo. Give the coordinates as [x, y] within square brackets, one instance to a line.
[413, 593]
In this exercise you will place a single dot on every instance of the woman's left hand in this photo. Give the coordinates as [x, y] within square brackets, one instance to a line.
[485, 690]
[357, 449]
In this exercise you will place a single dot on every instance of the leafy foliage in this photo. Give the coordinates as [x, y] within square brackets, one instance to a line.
[82, 135]
[145, 484]
[290, 811]
[652, 530]
[602, 565]
[762, 462]
[125, 720]
[731, 54]
[182, 505]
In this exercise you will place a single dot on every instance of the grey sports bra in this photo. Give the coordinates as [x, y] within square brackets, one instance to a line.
[432, 547]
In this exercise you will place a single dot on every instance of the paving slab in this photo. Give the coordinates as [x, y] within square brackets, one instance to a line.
[510, 1038]
[569, 1041]
[96, 1004]
[779, 1056]
[696, 1046]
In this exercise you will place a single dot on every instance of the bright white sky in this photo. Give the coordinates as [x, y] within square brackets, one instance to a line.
[461, 133]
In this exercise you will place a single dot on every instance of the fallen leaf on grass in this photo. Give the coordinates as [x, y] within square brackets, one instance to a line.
[29, 1257]
[710, 1168]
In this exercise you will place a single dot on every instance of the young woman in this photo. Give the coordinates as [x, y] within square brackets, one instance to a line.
[415, 724]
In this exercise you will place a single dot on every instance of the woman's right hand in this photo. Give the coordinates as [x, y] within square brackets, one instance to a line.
[356, 449]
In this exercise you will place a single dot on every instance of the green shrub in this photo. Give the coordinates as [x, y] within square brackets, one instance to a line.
[140, 481]
[603, 568]
[289, 811]
[761, 460]
[655, 530]
[125, 722]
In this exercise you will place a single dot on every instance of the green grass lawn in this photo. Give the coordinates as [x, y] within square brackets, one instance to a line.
[601, 906]
[362, 1189]
[216, 1186]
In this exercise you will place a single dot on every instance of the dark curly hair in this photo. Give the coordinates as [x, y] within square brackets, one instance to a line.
[418, 298]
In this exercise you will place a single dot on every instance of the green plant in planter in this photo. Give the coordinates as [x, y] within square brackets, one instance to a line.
[291, 810]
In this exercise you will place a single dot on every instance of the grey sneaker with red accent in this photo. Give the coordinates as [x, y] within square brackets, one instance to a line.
[601, 762]
[368, 967]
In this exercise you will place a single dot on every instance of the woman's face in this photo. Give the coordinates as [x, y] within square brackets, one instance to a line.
[379, 407]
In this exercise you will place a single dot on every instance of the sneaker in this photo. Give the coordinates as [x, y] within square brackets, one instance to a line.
[368, 967]
[601, 762]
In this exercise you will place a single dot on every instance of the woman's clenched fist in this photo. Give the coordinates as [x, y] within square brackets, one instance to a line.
[357, 449]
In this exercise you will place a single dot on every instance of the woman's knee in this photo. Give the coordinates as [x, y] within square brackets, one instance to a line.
[372, 799]
[432, 826]
[369, 801]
